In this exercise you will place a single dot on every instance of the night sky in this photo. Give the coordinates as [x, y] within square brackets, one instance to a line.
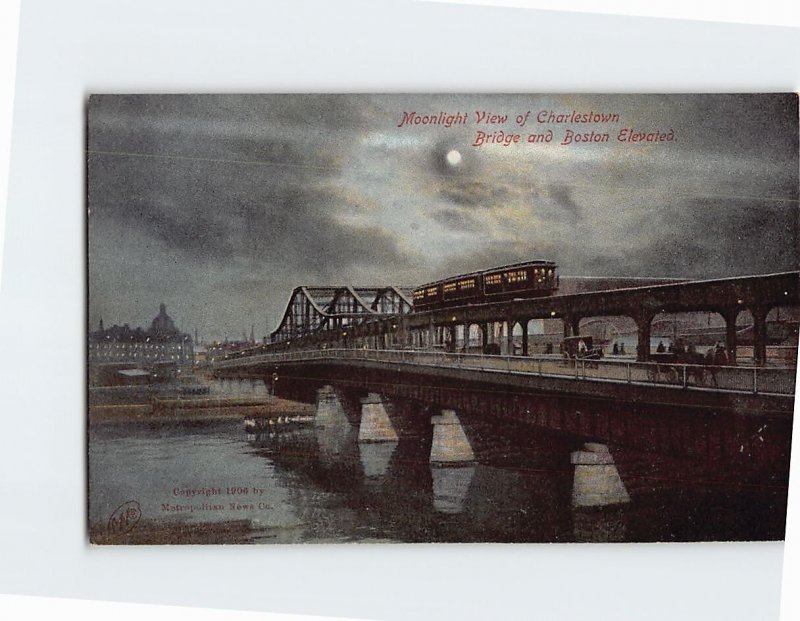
[220, 205]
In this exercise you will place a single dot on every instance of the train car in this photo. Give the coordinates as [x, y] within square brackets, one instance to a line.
[520, 280]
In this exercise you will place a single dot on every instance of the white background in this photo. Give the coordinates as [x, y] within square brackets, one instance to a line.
[70, 49]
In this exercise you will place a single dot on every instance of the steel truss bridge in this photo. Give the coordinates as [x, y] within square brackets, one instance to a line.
[326, 310]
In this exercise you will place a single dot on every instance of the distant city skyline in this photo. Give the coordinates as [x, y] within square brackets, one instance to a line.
[220, 205]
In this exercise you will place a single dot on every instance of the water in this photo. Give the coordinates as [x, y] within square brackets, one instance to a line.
[322, 485]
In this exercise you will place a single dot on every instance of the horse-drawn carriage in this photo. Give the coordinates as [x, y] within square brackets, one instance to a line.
[581, 348]
[687, 367]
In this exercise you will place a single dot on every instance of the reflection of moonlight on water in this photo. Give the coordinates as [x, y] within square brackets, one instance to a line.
[453, 158]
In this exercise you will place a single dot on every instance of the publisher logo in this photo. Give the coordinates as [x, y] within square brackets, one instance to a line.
[124, 518]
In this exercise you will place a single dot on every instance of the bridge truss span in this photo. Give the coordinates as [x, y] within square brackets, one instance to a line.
[314, 310]
[384, 317]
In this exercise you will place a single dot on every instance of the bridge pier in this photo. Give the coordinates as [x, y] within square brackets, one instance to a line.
[450, 446]
[376, 426]
[596, 482]
[330, 411]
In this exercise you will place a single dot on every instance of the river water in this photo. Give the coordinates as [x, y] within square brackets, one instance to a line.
[211, 482]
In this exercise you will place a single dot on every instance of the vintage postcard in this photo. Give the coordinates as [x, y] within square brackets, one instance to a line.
[441, 318]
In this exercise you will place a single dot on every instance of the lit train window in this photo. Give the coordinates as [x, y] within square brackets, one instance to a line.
[516, 276]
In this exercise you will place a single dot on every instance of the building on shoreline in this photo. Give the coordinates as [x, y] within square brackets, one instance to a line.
[162, 344]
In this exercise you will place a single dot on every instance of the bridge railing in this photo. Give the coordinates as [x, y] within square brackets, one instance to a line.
[767, 380]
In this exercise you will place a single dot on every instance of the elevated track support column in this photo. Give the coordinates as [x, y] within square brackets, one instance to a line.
[596, 482]
[730, 315]
[643, 319]
[524, 324]
[572, 325]
[759, 334]
[452, 335]
[450, 446]
[376, 426]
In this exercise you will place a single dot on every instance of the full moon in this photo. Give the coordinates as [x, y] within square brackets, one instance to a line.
[453, 157]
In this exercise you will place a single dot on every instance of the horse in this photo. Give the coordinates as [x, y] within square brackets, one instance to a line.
[699, 365]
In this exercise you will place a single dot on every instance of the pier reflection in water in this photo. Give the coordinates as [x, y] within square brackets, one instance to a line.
[451, 487]
[319, 483]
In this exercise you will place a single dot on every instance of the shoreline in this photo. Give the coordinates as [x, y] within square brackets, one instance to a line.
[196, 410]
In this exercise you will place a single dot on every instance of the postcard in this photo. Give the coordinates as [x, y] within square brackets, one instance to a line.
[520, 318]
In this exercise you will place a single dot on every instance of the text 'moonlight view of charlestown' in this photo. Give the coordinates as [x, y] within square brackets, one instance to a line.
[441, 318]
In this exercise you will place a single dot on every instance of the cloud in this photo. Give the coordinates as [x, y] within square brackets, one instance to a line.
[568, 210]
[474, 194]
[456, 219]
[221, 205]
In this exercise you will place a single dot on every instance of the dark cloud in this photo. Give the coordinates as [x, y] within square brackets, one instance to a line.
[217, 211]
[220, 205]
[566, 207]
[240, 209]
[473, 193]
[746, 123]
[705, 239]
[456, 219]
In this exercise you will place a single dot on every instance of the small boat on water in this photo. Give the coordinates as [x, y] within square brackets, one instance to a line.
[262, 424]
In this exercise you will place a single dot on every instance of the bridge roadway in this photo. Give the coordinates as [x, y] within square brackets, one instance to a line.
[727, 296]
[743, 390]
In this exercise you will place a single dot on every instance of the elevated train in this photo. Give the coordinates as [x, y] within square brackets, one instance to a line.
[519, 280]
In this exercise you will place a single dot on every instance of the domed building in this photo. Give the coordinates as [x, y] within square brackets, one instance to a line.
[163, 326]
[162, 344]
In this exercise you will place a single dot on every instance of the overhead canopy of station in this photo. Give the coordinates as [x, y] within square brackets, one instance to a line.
[316, 309]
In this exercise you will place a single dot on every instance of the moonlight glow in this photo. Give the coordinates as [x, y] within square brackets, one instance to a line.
[453, 158]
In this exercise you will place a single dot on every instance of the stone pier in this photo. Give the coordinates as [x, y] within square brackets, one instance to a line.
[450, 446]
[596, 482]
[376, 426]
[330, 411]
